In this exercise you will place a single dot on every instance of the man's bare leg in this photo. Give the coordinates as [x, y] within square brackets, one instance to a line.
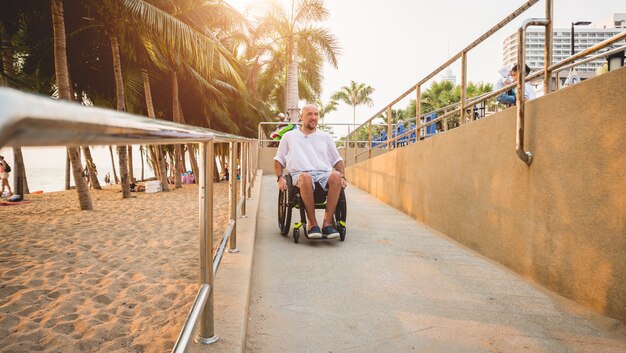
[334, 189]
[306, 192]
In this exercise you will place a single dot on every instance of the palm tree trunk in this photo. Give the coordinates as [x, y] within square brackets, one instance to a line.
[117, 180]
[91, 167]
[121, 106]
[291, 91]
[63, 87]
[160, 161]
[67, 171]
[131, 172]
[192, 159]
[141, 155]
[178, 183]
[19, 176]
[20, 183]
[183, 159]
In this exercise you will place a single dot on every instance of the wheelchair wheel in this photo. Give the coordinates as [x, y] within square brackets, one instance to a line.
[284, 211]
[341, 215]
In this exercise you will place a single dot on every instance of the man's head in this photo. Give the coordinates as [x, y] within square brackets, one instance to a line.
[309, 116]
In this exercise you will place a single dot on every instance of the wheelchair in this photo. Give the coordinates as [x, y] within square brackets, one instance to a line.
[291, 198]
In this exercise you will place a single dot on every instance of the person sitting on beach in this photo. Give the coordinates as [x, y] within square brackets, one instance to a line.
[136, 187]
[4, 176]
[310, 155]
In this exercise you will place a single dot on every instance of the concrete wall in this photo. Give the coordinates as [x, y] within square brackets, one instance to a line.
[560, 222]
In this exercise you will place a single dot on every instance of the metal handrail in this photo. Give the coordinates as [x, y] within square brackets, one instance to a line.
[455, 57]
[527, 157]
[30, 120]
[593, 49]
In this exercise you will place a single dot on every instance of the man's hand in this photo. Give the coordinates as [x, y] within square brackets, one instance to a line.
[344, 183]
[282, 184]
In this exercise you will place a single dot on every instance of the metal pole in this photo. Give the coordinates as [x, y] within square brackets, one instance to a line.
[232, 183]
[547, 55]
[572, 39]
[527, 157]
[389, 132]
[369, 139]
[354, 146]
[463, 86]
[206, 333]
[346, 144]
[418, 101]
[255, 158]
[244, 177]
[249, 169]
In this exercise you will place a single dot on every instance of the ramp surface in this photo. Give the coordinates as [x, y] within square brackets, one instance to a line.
[395, 285]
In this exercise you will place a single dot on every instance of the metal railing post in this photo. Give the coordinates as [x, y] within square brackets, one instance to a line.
[389, 130]
[249, 169]
[232, 188]
[355, 146]
[255, 161]
[346, 144]
[244, 177]
[547, 55]
[463, 86]
[206, 333]
[369, 139]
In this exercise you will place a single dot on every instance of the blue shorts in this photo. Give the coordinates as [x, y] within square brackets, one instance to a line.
[320, 177]
[506, 99]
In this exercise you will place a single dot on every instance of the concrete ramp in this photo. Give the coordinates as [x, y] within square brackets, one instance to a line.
[396, 286]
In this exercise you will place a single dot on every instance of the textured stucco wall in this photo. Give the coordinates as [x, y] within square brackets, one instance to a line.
[560, 222]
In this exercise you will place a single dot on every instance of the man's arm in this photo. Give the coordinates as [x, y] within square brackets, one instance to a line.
[278, 171]
[341, 168]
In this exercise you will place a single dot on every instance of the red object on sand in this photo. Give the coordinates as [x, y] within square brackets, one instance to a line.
[9, 203]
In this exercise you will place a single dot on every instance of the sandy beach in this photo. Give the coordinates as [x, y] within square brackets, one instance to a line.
[121, 278]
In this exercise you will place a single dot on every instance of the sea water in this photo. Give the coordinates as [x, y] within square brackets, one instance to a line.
[53, 179]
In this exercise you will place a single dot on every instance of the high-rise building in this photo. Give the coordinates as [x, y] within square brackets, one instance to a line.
[616, 20]
[584, 37]
[448, 75]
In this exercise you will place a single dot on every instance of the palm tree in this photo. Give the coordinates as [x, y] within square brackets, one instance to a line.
[325, 108]
[438, 95]
[355, 94]
[203, 57]
[294, 51]
[63, 87]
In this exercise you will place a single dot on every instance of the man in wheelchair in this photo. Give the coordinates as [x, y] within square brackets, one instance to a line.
[310, 156]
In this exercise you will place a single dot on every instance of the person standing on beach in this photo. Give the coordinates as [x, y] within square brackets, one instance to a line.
[4, 175]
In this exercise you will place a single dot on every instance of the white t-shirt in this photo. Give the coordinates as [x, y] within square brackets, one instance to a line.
[298, 152]
[529, 91]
